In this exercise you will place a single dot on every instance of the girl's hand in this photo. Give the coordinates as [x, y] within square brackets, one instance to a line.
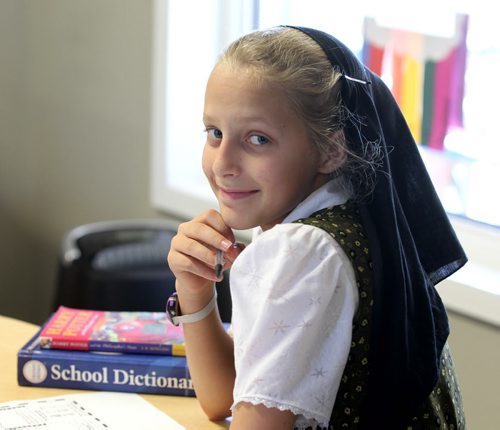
[192, 255]
[209, 348]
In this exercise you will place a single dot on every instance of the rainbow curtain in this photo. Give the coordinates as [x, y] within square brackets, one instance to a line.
[425, 73]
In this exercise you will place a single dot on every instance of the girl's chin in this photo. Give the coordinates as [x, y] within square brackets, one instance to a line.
[237, 222]
[240, 225]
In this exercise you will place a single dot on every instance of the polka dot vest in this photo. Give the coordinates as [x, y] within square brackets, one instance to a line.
[443, 408]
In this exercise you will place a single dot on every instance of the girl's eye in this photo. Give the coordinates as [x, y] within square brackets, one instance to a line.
[258, 140]
[214, 133]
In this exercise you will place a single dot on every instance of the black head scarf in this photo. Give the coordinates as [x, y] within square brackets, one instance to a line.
[413, 247]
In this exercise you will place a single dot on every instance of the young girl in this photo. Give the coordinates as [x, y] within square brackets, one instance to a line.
[336, 322]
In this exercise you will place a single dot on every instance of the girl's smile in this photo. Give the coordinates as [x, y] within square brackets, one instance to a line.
[236, 194]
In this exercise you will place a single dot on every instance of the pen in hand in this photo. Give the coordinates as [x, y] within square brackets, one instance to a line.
[219, 263]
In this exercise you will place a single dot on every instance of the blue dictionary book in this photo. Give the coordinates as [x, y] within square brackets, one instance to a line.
[135, 373]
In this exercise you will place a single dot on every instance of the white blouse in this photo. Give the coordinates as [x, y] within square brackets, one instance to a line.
[294, 297]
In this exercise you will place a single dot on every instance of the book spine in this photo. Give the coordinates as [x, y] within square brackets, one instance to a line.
[71, 370]
[77, 345]
[135, 348]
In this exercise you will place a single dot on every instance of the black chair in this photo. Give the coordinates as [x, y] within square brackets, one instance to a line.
[121, 266]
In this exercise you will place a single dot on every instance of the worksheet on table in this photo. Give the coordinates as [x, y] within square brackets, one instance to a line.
[90, 411]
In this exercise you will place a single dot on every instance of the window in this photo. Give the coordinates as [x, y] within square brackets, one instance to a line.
[465, 171]
[189, 43]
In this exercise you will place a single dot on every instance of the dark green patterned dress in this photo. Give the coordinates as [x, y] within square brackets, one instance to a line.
[443, 408]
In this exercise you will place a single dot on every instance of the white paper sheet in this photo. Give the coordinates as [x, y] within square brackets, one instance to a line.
[90, 411]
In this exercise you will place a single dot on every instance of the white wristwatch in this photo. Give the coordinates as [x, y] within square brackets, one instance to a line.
[174, 313]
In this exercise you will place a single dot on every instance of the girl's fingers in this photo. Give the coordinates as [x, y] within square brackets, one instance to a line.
[189, 267]
[194, 248]
[231, 254]
[210, 229]
[214, 219]
[195, 251]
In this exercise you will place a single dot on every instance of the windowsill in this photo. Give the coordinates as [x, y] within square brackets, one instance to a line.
[474, 290]
[470, 292]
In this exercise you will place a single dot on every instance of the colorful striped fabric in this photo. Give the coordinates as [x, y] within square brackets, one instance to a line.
[426, 74]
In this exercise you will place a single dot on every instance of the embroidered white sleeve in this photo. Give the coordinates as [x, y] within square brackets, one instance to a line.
[294, 297]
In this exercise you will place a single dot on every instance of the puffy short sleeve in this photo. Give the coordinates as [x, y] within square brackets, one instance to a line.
[294, 297]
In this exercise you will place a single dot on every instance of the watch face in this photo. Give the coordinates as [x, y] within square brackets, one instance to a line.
[172, 308]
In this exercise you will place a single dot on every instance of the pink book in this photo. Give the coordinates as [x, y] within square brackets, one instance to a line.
[107, 331]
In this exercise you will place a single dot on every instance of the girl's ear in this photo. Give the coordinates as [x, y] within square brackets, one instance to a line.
[334, 159]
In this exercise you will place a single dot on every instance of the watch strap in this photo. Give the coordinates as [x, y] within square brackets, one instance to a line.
[197, 316]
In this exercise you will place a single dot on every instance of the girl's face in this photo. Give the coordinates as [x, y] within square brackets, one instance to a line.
[258, 156]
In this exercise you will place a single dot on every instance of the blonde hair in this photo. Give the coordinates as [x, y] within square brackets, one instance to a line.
[297, 64]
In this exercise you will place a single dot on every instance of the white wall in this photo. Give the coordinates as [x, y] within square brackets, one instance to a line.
[74, 132]
[74, 148]
[475, 348]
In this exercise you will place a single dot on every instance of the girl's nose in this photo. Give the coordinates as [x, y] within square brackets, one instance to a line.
[227, 158]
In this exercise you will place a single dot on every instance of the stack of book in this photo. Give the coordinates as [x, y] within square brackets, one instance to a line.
[140, 352]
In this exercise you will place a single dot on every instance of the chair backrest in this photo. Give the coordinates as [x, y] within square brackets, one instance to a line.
[121, 266]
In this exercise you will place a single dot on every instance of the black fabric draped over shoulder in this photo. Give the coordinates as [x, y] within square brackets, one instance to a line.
[412, 243]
